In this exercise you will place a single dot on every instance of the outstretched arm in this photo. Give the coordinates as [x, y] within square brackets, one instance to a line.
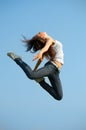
[37, 65]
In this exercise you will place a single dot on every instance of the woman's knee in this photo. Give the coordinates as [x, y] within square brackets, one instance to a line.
[59, 97]
[30, 76]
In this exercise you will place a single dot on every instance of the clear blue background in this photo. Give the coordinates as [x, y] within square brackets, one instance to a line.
[24, 105]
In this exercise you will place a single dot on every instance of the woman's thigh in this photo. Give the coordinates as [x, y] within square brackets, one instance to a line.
[47, 70]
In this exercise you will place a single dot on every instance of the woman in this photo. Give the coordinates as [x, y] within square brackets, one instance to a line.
[52, 50]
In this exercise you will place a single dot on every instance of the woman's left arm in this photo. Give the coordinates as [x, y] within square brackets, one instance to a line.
[37, 65]
[43, 50]
[47, 46]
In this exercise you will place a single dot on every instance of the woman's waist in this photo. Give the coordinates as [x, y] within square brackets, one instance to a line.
[57, 64]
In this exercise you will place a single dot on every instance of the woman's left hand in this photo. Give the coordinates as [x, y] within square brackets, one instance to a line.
[38, 56]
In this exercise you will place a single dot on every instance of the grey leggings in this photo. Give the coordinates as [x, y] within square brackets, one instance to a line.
[49, 70]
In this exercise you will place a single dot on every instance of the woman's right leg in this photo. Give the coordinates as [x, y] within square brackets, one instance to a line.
[47, 70]
[40, 73]
[56, 89]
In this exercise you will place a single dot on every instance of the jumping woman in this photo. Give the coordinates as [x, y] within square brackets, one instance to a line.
[52, 50]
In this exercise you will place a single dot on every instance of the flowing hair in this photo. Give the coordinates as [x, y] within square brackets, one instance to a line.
[36, 43]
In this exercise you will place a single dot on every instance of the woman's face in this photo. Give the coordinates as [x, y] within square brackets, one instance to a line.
[42, 34]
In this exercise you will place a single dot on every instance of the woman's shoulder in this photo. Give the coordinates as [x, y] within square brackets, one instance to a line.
[58, 43]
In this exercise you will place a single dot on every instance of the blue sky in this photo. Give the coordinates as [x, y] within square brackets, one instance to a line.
[24, 105]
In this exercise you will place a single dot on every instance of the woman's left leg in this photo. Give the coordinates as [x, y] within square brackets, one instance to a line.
[55, 89]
